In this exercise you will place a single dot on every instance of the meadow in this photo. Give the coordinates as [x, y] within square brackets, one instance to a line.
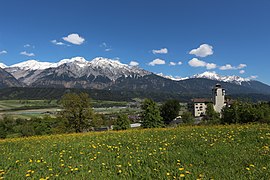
[26, 109]
[191, 152]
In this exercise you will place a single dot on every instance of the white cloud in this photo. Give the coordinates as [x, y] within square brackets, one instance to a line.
[179, 63]
[3, 52]
[27, 54]
[58, 43]
[197, 63]
[108, 49]
[241, 66]
[133, 63]
[242, 71]
[106, 46]
[253, 77]
[230, 67]
[202, 51]
[74, 39]
[172, 64]
[160, 51]
[226, 67]
[28, 45]
[157, 62]
[211, 66]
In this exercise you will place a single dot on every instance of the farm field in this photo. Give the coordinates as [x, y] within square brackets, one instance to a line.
[191, 152]
[27, 109]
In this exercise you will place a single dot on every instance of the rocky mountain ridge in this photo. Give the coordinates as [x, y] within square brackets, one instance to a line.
[110, 74]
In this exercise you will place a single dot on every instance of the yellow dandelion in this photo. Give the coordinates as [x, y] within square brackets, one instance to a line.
[181, 169]
[248, 169]
[27, 175]
[182, 175]
[168, 174]
[251, 165]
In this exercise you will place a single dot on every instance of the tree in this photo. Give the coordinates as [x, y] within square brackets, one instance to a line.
[187, 117]
[122, 122]
[211, 116]
[151, 115]
[170, 110]
[77, 111]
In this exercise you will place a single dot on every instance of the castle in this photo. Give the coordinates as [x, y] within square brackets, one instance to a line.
[218, 100]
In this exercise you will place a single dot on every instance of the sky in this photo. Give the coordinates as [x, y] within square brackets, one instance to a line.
[174, 37]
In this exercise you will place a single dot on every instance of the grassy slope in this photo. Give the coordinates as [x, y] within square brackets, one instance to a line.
[219, 152]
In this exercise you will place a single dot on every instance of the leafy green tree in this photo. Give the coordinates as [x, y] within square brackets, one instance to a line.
[151, 114]
[122, 122]
[187, 117]
[170, 110]
[98, 121]
[211, 116]
[245, 112]
[77, 111]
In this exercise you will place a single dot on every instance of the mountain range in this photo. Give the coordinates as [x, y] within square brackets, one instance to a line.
[108, 74]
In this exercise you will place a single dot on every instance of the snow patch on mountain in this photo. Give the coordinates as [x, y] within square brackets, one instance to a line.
[174, 78]
[2, 65]
[210, 75]
[215, 76]
[33, 65]
[79, 61]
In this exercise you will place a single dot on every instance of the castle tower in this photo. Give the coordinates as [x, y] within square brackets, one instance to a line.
[218, 98]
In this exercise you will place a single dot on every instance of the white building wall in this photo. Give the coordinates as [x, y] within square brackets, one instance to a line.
[199, 109]
[219, 99]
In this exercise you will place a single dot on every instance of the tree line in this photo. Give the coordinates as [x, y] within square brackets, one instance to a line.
[77, 115]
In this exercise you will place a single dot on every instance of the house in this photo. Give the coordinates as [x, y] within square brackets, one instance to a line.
[200, 105]
[218, 100]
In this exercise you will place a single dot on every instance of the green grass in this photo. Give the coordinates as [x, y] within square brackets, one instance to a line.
[218, 152]
[27, 109]
[9, 105]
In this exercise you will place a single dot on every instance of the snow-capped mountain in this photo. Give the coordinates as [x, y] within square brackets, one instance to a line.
[2, 65]
[212, 76]
[33, 65]
[172, 77]
[215, 76]
[104, 73]
[73, 72]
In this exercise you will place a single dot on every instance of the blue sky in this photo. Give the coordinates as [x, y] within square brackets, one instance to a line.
[229, 37]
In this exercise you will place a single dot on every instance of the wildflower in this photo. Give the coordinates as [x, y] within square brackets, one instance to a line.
[182, 175]
[168, 174]
[248, 169]
[181, 169]
[251, 165]
[27, 175]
